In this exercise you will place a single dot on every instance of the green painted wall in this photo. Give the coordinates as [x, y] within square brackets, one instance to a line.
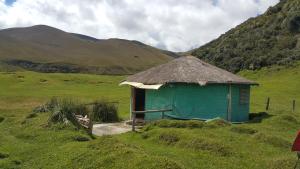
[190, 101]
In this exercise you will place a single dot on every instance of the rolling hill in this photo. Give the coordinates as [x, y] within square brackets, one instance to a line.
[47, 49]
[269, 39]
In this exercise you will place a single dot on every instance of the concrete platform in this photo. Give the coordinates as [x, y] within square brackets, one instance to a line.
[111, 128]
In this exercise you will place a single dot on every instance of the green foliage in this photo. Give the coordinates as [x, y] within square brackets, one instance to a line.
[269, 39]
[294, 23]
[104, 111]
[65, 113]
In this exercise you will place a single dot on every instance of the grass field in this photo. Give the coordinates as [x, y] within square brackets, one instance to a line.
[29, 143]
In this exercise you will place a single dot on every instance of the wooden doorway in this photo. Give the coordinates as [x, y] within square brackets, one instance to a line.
[139, 102]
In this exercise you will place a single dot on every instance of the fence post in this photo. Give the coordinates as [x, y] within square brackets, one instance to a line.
[268, 103]
[294, 105]
[163, 115]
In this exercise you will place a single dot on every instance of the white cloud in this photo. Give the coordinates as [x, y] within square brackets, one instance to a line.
[169, 24]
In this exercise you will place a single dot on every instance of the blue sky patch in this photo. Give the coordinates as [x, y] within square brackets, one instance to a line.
[10, 2]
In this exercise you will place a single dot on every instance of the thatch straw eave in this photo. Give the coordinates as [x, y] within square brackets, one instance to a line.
[189, 70]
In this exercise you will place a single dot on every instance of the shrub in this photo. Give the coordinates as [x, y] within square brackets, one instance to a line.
[65, 113]
[243, 130]
[169, 138]
[294, 23]
[52, 104]
[105, 112]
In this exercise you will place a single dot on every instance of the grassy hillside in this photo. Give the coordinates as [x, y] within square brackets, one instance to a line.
[29, 143]
[46, 49]
[269, 39]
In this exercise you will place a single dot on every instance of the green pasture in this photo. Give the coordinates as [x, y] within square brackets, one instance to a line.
[30, 143]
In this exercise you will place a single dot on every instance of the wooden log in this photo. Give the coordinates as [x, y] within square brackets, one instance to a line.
[268, 103]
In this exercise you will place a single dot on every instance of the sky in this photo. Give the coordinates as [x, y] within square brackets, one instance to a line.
[176, 25]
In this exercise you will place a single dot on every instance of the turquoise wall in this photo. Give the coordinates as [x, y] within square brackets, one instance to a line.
[190, 101]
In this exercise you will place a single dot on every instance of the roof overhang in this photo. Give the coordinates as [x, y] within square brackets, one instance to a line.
[141, 85]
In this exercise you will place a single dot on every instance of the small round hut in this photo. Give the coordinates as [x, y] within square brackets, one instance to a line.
[189, 88]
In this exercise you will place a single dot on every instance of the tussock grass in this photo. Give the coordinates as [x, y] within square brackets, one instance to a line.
[104, 111]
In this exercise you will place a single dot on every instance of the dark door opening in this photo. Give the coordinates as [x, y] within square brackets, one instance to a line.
[139, 102]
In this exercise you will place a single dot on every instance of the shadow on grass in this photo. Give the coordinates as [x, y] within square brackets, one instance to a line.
[258, 117]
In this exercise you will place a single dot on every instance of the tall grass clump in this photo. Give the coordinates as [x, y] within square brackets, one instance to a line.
[104, 111]
[64, 112]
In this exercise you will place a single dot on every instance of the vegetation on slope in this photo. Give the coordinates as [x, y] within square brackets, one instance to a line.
[46, 49]
[29, 143]
[270, 39]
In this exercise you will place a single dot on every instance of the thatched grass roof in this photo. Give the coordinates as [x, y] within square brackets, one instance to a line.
[187, 69]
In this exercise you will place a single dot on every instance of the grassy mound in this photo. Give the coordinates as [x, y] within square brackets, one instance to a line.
[215, 123]
[168, 138]
[178, 123]
[243, 130]
[282, 162]
[200, 144]
[272, 140]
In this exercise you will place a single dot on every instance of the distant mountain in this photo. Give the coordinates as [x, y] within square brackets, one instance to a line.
[269, 39]
[47, 49]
